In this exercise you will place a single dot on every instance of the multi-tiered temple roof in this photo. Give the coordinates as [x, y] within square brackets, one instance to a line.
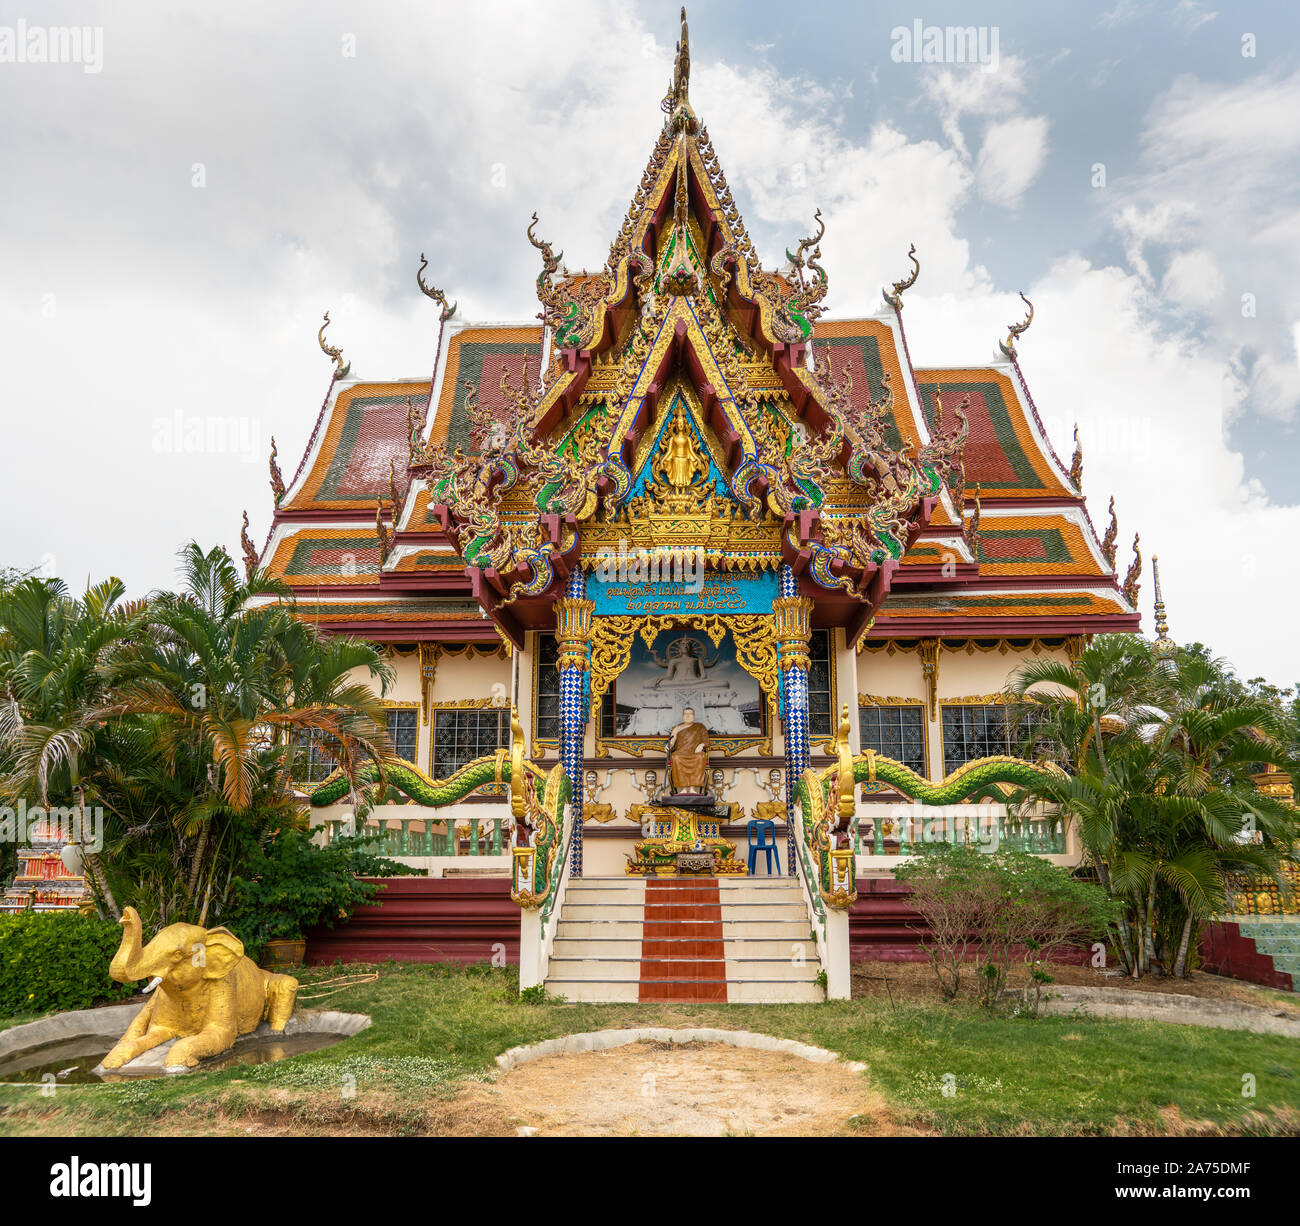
[909, 502]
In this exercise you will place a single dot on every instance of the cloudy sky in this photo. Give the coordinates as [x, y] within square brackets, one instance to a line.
[177, 211]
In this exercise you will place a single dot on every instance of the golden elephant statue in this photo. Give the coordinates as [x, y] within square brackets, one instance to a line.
[210, 992]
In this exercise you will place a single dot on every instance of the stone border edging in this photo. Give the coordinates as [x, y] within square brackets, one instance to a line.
[605, 1040]
[1176, 1007]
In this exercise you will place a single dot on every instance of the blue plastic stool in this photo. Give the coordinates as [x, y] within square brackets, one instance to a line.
[762, 837]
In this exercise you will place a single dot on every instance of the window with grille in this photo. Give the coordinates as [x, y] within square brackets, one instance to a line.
[546, 710]
[821, 716]
[971, 732]
[461, 734]
[311, 764]
[896, 732]
[401, 731]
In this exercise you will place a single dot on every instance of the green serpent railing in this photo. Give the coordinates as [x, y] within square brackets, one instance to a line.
[992, 777]
[413, 782]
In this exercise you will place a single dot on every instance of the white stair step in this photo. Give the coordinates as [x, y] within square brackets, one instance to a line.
[599, 992]
[754, 970]
[595, 947]
[604, 969]
[579, 930]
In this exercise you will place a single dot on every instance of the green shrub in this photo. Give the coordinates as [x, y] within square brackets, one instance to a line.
[53, 962]
[295, 884]
[995, 904]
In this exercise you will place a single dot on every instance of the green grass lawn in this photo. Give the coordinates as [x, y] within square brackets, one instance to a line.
[437, 1031]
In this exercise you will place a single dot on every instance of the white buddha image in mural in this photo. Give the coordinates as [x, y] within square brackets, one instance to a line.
[685, 684]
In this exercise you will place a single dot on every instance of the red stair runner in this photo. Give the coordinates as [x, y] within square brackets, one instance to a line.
[682, 952]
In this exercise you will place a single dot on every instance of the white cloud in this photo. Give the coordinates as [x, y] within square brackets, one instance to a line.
[1194, 278]
[1010, 159]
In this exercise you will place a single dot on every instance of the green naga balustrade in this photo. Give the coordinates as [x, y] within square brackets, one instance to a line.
[984, 778]
[541, 796]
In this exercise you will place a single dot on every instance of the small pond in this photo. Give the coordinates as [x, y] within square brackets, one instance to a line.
[72, 1061]
[67, 1048]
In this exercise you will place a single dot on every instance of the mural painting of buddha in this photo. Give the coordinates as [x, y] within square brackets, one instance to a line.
[688, 756]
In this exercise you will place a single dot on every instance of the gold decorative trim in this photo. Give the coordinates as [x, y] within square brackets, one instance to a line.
[1001, 699]
[888, 700]
[753, 633]
[573, 632]
[970, 646]
[638, 746]
[930, 650]
[792, 626]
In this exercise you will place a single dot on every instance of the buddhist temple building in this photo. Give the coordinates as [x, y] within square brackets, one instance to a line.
[688, 487]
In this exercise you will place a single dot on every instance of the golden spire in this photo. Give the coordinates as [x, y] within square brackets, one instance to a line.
[1165, 648]
[677, 102]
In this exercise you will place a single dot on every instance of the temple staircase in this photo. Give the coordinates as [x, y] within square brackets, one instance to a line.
[737, 939]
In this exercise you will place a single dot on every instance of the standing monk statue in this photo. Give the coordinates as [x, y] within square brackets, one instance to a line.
[688, 755]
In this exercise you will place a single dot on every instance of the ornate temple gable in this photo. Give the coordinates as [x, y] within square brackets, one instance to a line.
[525, 477]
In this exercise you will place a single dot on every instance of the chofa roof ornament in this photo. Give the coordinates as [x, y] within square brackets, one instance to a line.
[1008, 346]
[332, 352]
[432, 291]
[895, 299]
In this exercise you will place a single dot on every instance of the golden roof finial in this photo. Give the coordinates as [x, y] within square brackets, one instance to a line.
[249, 549]
[341, 368]
[277, 479]
[432, 291]
[895, 299]
[1076, 461]
[1109, 545]
[1008, 346]
[1132, 580]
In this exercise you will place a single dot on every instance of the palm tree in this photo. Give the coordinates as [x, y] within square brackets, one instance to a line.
[55, 655]
[229, 687]
[1160, 788]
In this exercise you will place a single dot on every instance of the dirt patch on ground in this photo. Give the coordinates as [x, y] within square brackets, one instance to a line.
[915, 982]
[693, 1089]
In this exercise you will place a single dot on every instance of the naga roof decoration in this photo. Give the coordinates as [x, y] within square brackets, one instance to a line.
[684, 397]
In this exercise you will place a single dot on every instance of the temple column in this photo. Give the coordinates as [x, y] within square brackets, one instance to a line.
[792, 622]
[573, 639]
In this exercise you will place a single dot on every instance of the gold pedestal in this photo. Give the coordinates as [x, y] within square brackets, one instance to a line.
[674, 832]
